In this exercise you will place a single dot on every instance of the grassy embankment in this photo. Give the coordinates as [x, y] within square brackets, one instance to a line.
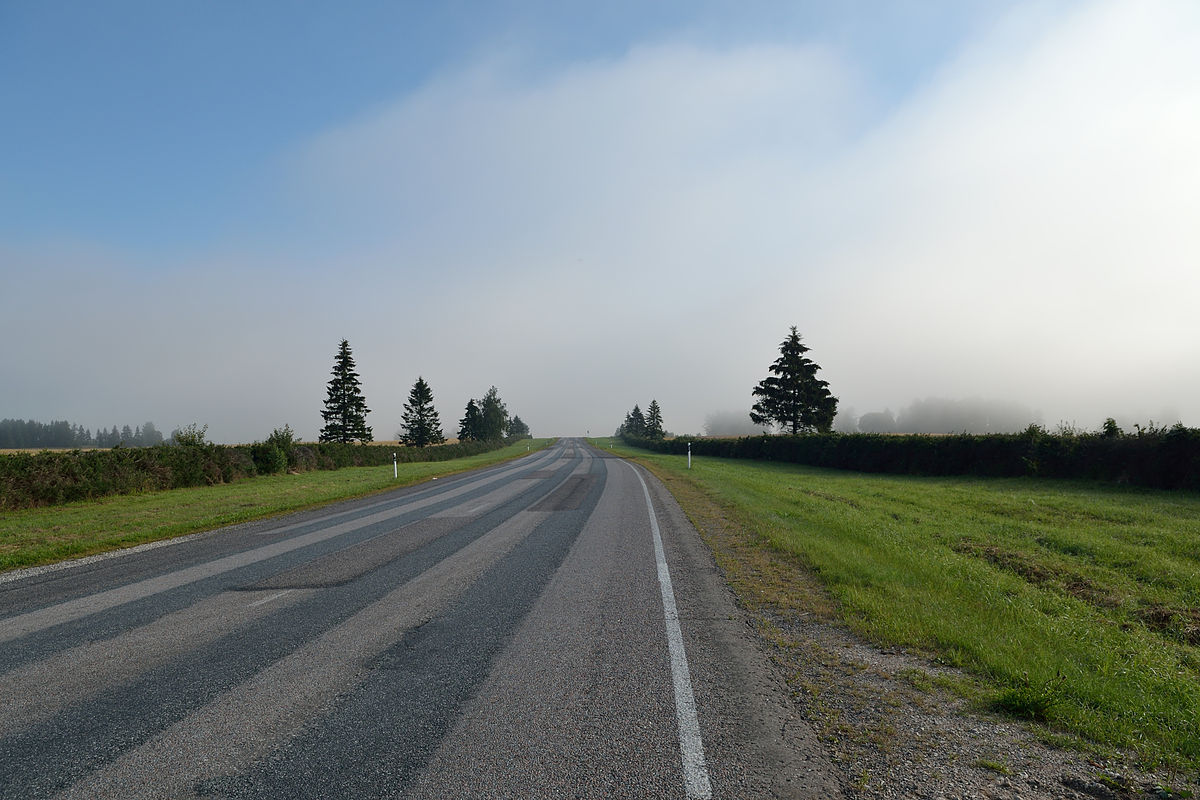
[1072, 604]
[43, 535]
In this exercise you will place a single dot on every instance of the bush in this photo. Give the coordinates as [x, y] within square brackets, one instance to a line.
[51, 478]
[268, 459]
[1154, 457]
[190, 436]
[284, 440]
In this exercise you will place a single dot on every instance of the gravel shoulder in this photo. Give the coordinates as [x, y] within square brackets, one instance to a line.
[893, 723]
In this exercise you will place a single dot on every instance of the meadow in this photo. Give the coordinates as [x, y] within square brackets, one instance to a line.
[1075, 605]
[29, 537]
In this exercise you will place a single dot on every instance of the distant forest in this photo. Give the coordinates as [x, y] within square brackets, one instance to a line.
[28, 434]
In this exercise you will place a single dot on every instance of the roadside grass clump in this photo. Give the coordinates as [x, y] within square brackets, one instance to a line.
[33, 536]
[1074, 603]
[993, 765]
[1026, 700]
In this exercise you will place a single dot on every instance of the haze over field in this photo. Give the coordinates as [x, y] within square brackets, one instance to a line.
[593, 206]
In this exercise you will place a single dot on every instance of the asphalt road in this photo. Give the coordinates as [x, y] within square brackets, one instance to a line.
[551, 627]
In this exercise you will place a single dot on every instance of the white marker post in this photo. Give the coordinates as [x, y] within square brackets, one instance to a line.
[395, 469]
[689, 455]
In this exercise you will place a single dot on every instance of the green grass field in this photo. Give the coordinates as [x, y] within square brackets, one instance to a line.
[44, 535]
[1075, 605]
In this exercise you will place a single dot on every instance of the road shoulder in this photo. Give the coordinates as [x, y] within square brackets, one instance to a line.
[757, 743]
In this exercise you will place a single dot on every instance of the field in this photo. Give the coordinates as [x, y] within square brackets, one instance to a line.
[1073, 605]
[43, 535]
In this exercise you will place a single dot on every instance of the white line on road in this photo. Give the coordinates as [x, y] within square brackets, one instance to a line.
[40, 619]
[275, 596]
[695, 773]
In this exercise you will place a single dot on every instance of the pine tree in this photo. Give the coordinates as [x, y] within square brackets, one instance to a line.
[635, 422]
[494, 416]
[517, 426]
[654, 421]
[793, 397]
[346, 410]
[421, 424]
[470, 427]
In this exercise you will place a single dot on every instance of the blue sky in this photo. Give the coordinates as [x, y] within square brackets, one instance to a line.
[589, 205]
[149, 124]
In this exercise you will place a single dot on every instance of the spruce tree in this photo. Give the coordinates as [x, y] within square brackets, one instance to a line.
[470, 427]
[792, 397]
[494, 416]
[517, 426]
[421, 424]
[635, 422]
[346, 410]
[654, 421]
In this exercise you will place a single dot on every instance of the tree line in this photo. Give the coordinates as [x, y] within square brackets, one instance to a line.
[21, 434]
[345, 412]
[647, 425]
[791, 398]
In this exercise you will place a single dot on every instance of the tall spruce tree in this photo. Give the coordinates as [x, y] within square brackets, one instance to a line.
[494, 416]
[421, 424]
[654, 421]
[346, 410]
[635, 423]
[792, 397]
[470, 427]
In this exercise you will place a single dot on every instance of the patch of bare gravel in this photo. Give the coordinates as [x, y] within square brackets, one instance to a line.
[893, 732]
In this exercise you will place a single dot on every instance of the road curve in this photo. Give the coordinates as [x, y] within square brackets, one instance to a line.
[550, 627]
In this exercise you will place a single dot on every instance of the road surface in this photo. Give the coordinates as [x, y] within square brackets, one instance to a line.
[550, 627]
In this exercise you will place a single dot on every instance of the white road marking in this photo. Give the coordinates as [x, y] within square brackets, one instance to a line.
[29, 572]
[33, 621]
[695, 773]
[222, 738]
[275, 596]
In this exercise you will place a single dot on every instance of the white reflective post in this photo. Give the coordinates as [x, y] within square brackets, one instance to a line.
[689, 455]
[395, 469]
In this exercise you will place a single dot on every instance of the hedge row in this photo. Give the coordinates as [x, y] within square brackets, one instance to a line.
[49, 478]
[1161, 459]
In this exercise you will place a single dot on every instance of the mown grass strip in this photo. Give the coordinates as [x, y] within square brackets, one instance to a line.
[37, 536]
[1077, 603]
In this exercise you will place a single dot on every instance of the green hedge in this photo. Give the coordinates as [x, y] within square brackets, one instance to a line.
[49, 478]
[1161, 459]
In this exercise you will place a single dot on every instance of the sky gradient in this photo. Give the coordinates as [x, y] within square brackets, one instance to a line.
[593, 205]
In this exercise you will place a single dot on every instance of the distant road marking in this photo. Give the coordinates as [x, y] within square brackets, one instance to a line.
[695, 773]
[275, 596]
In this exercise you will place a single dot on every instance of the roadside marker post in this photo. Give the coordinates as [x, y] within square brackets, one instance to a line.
[689, 455]
[395, 469]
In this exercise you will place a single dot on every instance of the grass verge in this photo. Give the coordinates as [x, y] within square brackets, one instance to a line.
[43, 535]
[1076, 605]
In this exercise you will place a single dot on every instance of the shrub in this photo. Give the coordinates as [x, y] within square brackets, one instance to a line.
[191, 436]
[1154, 457]
[284, 439]
[268, 459]
[51, 478]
